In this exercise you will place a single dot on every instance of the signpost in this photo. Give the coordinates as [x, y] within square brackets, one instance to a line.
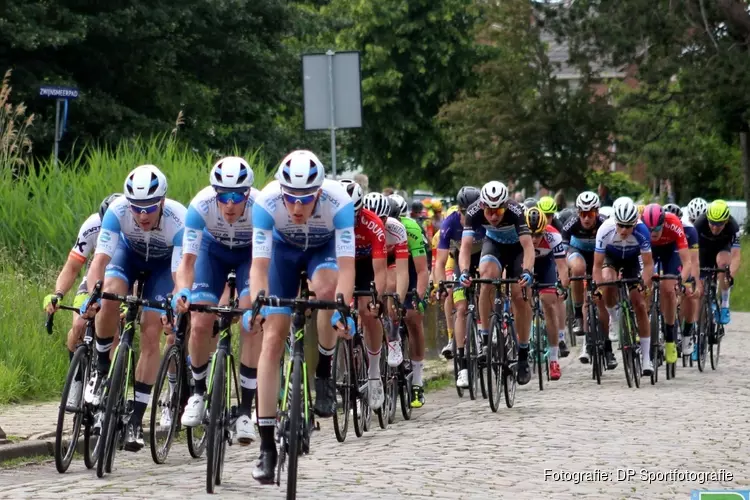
[61, 95]
[332, 93]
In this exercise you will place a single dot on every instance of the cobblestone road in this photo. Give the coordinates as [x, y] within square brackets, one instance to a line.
[457, 448]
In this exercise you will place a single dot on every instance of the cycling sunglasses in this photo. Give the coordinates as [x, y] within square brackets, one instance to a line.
[235, 197]
[304, 199]
[656, 229]
[588, 213]
[625, 226]
[499, 210]
[147, 209]
[716, 224]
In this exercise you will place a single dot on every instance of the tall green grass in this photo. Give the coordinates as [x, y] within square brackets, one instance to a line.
[40, 212]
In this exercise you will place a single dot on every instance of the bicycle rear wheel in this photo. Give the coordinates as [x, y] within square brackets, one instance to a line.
[65, 449]
[342, 376]
[626, 347]
[295, 427]
[471, 354]
[510, 367]
[538, 354]
[715, 348]
[405, 385]
[216, 421]
[456, 369]
[494, 363]
[112, 426]
[705, 323]
[359, 375]
[171, 401]
[382, 412]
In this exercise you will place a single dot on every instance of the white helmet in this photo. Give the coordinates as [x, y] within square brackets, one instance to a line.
[145, 183]
[232, 172]
[355, 192]
[301, 170]
[493, 194]
[625, 211]
[696, 208]
[378, 203]
[587, 200]
[622, 199]
[402, 205]
[606, 212]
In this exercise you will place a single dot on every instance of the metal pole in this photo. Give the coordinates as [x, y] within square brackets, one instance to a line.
[57, 129]
[330, 54]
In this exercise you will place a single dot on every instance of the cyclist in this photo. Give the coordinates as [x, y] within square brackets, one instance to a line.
[673, 208]
[288, 239]
[79, 254]
[719, 237]
[420, 258]
[397, 279]
[437, 215]
[218, 235]
[548, 207]
[669, 247]
[579, 233]
[548, 265]
[141, 232]
[530, 202]
[507, 245]
[689, 309]
[451, 236]
[620, 241]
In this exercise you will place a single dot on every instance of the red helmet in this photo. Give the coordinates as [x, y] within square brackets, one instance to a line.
[653, 216]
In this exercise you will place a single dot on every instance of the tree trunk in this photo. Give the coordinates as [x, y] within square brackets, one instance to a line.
[745, 147]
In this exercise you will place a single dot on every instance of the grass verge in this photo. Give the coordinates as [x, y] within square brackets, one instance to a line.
[740, 298]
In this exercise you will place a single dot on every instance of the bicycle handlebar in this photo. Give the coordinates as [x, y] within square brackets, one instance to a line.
[298, 304]
[48, 324]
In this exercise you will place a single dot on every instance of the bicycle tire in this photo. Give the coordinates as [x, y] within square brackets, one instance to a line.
[655, 330]
[360, 406]
[471, 355]
[538, 355]
[456, 369]
[63, 454]
[343, 388]
[405, 385]
[510, 366]
[715, 348]
[705, 320]
[195, 436]
[383, 412]
[295, 427]
[570, 318]
[115, 397]
[215, 431]
[494, 364]
[626, 348]
[159, 453]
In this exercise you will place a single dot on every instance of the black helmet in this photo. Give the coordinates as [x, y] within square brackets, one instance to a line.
[530, 202]
[395, 208]
[536, 220]
[416, 206]
[106, 202]
[466, 196]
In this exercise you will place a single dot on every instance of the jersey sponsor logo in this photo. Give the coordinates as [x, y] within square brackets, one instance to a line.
[559, 248]
[191, 235]
[260, 238]
[203, 206]
[91, 230]
[80, 245]
[373, 227]
[106, 237]
[346, 236]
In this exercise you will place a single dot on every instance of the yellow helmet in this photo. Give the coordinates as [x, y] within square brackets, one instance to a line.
[641, 208]
[427, 203]
[718, 211]
[547, 205]
[536, 220]
[437, 206]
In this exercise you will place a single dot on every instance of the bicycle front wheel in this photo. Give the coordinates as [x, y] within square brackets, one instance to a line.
[705, 323]
[494, 363]
[65, 442]
[169, 402]
[295, 427]
[510, 365]
[216, 422]
[342, 375]
[112, 426]
[471, 354]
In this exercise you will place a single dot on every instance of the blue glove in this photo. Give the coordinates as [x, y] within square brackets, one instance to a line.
[338, 318]
[246, 318]
[527, 276]
[465, 278]
[85, 305]
[185, 292]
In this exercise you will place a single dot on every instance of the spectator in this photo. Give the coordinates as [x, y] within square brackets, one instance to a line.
[388, 191]
[560, 201]
[604, 197]
[519, 197]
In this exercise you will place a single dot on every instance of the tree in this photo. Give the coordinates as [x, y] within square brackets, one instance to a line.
[415, 57]
[521, 123]
[139, 63]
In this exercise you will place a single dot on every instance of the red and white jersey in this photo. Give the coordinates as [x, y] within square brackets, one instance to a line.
[369, 235]
[551, 243]
[395, 239]
[672, 232]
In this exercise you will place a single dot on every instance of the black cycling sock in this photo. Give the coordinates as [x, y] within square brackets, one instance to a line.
[200, 374]
[325, 356]
[248, 384]
[669, 334]
[607, 346]
[103, 346]
[142, 395]
[523, 352]
[578, 310]
[266, 428]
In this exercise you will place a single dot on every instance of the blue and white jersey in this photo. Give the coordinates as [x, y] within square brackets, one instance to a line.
[609, 242]
[159, 243]
[333, 217]
[204, 220]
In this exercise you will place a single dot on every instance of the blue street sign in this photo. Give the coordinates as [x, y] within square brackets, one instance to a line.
[58, 92]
